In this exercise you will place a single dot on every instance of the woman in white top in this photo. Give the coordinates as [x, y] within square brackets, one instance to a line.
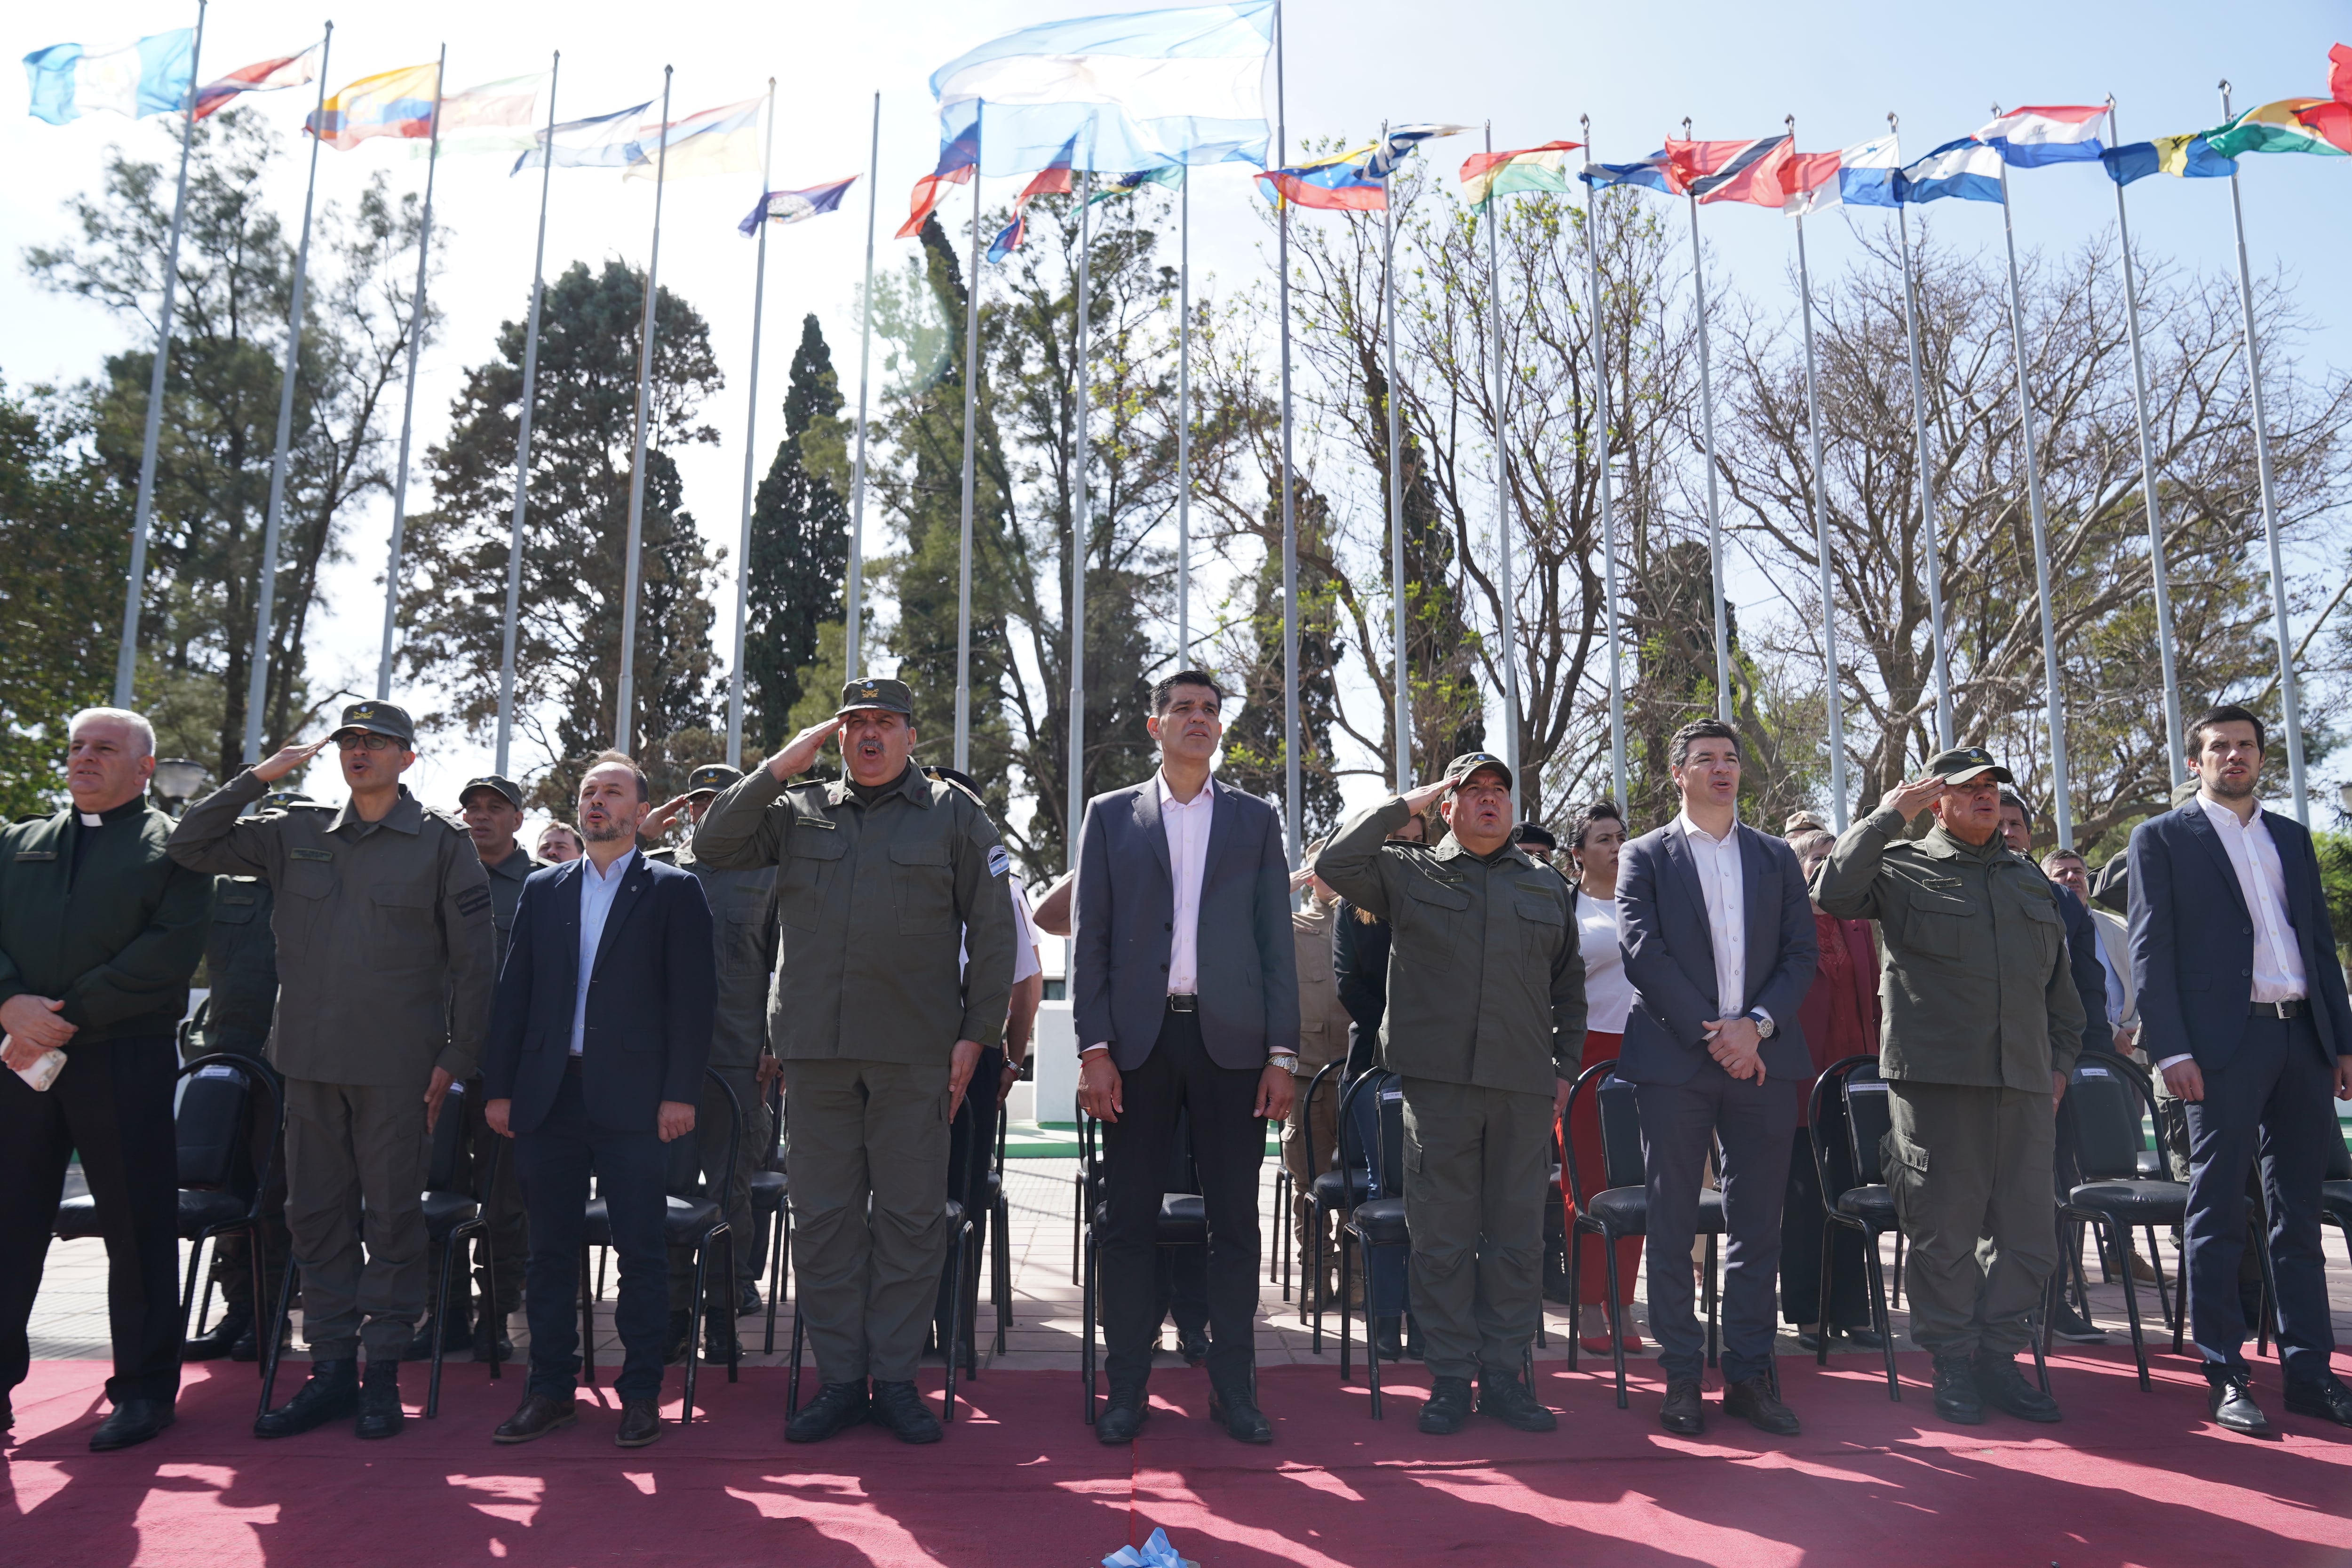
[1595, 835]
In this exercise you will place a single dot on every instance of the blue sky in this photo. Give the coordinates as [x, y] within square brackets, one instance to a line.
[1532, 68]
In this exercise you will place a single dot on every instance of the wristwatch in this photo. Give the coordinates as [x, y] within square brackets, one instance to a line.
[1765, 1027]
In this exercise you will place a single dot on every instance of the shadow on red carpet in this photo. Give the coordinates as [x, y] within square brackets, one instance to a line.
[2126, 1479]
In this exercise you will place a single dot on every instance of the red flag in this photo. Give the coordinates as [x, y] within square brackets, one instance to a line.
[1755, 171]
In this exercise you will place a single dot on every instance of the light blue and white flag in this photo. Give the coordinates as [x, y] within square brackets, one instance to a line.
[605, 142]
[1399, 143]
[1138, 91]
[152, 76]
[1865, 178]
[1967, 169]
[2047, 133]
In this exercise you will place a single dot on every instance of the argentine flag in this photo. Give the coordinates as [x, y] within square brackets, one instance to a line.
[1967, 169]
[152, 76]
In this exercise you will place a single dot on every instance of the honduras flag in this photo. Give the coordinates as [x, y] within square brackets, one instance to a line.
[1138, 91]
[1967, 169]
[152, 76]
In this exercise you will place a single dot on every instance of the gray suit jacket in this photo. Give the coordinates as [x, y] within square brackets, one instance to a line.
[1123, 913]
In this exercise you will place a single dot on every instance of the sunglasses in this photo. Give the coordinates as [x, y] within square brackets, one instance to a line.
[366, 741]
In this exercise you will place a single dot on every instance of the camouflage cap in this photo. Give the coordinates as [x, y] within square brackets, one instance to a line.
[381, 719]
[876, 691]
[712, 777]
[505, 786]
[1966, 764]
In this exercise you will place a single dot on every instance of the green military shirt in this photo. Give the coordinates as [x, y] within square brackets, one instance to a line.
[114, 937]
[386, 954]
[507, 878]
[241, 965]
[743, 926]
[873, 902]
[1486, 977]
[1975, 987]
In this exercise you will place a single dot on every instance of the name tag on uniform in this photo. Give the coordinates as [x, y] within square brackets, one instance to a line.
[313, 854]
[1941, 884]
[37, 855]
[239, 899]
[1451, 878]
[824, 822]
[2093, 1072]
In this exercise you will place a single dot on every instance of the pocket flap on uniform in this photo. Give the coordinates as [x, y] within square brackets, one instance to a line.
[1931, 901]
[1429, 890]
[2043, 909]
[933, 853]
[1541, 910]
[1904, 1153]
[402, 895]
[824, 844]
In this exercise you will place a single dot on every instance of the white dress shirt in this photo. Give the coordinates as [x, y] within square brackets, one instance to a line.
[1608, 993]
[1187, 825]
[1724, 887]
[2262, 882]
[1024, 955]
[596, 895]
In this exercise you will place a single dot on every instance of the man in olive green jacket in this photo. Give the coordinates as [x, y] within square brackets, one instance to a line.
[882, 876]
[386, 960]
[1983, 1023]
[1485, 1026]
[99, 933]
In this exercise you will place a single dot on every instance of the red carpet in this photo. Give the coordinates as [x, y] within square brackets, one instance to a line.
[2128, 1479]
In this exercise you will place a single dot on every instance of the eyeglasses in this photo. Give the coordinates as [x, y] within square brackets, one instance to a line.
[366, 741]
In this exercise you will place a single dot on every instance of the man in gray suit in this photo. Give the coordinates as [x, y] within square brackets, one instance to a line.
[1719, 944]
[1185, 995]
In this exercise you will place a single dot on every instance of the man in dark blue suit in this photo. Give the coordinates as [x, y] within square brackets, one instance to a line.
[1719, 944]
[597, 1045]
[2243, 1008]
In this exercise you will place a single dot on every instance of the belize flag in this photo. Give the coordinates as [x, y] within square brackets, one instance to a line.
[797, 207]
[1967, 170]
[149, 76]
[2049, 133]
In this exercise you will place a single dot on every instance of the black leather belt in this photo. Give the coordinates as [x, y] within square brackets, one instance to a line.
[2293, 1007]
[1183, 1004]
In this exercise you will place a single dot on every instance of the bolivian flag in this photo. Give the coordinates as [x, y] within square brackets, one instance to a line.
[1486, 176]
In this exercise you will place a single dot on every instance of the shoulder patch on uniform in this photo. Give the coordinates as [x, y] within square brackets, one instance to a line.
[474, 900]
[310, 854]
[1000, 860]
[454, 823]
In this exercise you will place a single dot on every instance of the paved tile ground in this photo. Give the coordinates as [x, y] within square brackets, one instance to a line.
[70, 1316]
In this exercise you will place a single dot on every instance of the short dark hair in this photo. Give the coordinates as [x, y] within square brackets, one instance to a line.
[1801, 842]
[2011, 797]
[2063, 854]
[1678, 748]
[1164, 691]
[620, 760]
[2227, 713]
[1580, 820]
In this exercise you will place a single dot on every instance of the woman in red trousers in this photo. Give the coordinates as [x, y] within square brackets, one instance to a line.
[1595, 835]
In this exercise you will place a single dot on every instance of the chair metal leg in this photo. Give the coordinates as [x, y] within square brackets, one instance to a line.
[696, 1317]
[1346, 1311]
[1575, 1277]
[2038, 1334]
[604, 1256]
[587, 1323]
[961, 1250]
[1315, 1265]
[2108, 1232]
[793, 1387]
[1276, 1269]
[277, 1327]
[1894, 1294]
[1077, 1221]
[1616, 1314]
[734, 1340]
[204, 1297]
[775, 1276]
[1882, 1317]
[2163, 1296]
[1000, 1259]
[490, 1313]
[188, 1290]
[1822, 1303]
[1087, 1311]
[261, 1287]
[1371, 1340]
[440, 1327]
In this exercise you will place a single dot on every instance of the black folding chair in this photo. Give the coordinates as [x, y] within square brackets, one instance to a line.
[694, 1217]
[1183, 1222]
[1000, 1239]
[1848, 1103]
[2336, 1190]
[1622, 1208]
[984, 1199]
[772, 1209]
[1371, 1112]
[452, 1217]
[1335, 1191]
[2108, 1097]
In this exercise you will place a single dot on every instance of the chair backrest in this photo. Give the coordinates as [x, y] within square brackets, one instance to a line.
[1869, 1118]
[1318, 1159]
[2106, 1096]
[684, 1169]
[210, 1125]
[442, 1173]
[2339, 1160]
[1621, 1133]
[1362, 1146]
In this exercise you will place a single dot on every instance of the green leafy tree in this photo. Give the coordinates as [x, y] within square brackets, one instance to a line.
[800, 549]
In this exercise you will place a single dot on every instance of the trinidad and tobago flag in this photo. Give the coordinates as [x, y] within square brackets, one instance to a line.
[1753, 172]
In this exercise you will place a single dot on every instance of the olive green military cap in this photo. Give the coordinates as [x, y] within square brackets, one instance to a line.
[382, 719]
[712, 777]
[1460, 769]
[1966, 764]
[891, 696]
[505, 786]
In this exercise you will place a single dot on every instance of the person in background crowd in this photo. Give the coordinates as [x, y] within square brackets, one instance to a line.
[1323, 1025]
[1720, 948]
[1359, 965]
[558, 842]
[1536, 841]
[1483, 1029]
[1981, 1024]
[100, 931]
[1840, 1016]
[2221, 885]
[1802, 822]
[2067, 869]
[1596, 834]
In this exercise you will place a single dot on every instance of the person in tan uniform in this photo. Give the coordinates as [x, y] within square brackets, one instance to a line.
[1322, 1040]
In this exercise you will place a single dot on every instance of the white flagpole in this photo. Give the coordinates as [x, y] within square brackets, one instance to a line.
[2176, 745]
[126, 661]
[1184, 422]
[1607, 512]
[751, 448]
[1834, 691]
[1402, 689]
[1080, 527]
[1508, 622]
[2289, 697]
[2060, 806]
[1723, 706]
[624, 716]
[522, 441]
[408, 399]
[1934, 549]
[257, 683]
[852, 630]
[971, 452]
[1293, 815]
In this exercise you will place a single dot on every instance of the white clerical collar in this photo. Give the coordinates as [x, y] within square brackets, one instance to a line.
[93, 819]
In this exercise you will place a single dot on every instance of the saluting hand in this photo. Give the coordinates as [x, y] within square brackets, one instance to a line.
[658, 820]
[1912, 796]
[1422, 799]
[288, 759]
[800, 751]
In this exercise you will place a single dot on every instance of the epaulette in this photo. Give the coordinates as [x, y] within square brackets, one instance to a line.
[937, 778]
[454, 823]
[666, 855]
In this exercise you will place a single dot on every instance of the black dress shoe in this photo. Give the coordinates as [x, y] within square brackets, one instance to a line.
[2231, 1403]
[1195, 1348]
[718, 1340]
[899, 1407]
[747, 1301]
[836, 1408]
[1809, 1340]
[1684, 1413]
[220, 1340]
[490, 1329]
[1122, 1418]
[536, 1416]
[2002, 1386]
[380, 1412]
[1503, 1397]
[1387, 1341]
[1956, 1397]
[2068, 1324]
[674, 1344]
[1863, 1338]
[640, 1423]
[456, 1335]
[331, 1394]
[132, 1421]
[1751, 1400]
[1238, 1414]
[1448, 1408]
[2325, 1397]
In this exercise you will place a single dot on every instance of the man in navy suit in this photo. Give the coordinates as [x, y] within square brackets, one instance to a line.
[1719, 944]
[2242, 1009]
[597, 1045]
[1185, 994]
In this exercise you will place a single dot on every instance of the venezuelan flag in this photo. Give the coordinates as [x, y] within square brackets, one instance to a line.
[1486, 176]
[394, 104]
[1337, 184]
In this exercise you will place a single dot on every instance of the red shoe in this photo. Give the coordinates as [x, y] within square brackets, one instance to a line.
[1594, 1344]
